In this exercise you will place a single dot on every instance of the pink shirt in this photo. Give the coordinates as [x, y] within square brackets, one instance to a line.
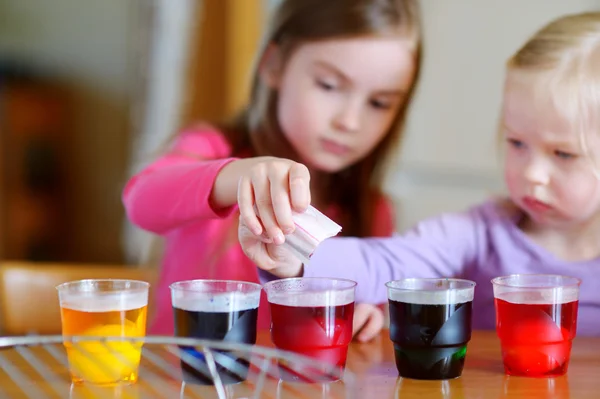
[170, 197]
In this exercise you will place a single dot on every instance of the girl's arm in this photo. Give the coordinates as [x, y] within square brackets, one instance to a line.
[439, 247]
[176, 188]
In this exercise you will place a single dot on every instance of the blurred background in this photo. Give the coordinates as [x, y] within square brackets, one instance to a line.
[90, 89]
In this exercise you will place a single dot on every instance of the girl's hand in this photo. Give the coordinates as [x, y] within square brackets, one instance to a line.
[368, 322]
[267, 193]
[268, 256]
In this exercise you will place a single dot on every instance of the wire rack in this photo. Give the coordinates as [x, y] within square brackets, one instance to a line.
[169, 367]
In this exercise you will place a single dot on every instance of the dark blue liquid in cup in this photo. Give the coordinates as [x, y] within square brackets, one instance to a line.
[235, 326]
[430, 326]
[215, 310]
[430, 341]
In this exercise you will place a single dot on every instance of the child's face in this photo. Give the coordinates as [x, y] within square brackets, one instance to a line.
[547, 173]
[338, 98]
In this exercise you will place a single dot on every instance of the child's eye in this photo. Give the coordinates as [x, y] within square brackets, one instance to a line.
[518, 144]
[379, 104]
[564, 155]
[326, 85]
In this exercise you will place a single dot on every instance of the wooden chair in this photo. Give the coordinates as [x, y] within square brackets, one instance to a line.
[29, 299]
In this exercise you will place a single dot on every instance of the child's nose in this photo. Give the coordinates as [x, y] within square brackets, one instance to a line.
[348, 117]
[536, 172]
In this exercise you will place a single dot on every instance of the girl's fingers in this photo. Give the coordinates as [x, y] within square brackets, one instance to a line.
[299, 184]
[245, 198]
[372, 326]
[278, 179]
[253, 248]
[264, 206]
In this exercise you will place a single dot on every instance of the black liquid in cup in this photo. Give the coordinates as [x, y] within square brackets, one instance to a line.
[218, 311]
[430, 326]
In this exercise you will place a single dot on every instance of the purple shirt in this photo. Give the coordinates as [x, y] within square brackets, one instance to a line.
[479, 244]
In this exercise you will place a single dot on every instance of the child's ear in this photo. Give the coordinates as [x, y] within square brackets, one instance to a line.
[271, 66]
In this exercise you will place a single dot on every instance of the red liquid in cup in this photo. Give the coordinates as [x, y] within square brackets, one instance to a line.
[536, 338]
[322, 332]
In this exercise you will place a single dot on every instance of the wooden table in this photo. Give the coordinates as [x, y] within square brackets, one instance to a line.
[372, 364]
[483, 376]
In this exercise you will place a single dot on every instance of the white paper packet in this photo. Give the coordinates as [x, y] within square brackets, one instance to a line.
[312, 227]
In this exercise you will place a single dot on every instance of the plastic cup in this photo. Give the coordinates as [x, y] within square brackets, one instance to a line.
[430, 326]
[105, 309]
[312, 317]
[536, 321]
[218, 310]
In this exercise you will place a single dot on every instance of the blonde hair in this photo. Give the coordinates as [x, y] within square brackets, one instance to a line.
[564, 56]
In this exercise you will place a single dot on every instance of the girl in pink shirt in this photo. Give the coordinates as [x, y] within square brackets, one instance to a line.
[331, 91]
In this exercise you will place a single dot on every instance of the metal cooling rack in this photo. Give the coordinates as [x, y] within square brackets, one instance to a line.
[37, 367]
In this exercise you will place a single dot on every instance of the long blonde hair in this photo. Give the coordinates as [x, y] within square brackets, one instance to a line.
[296, 22]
